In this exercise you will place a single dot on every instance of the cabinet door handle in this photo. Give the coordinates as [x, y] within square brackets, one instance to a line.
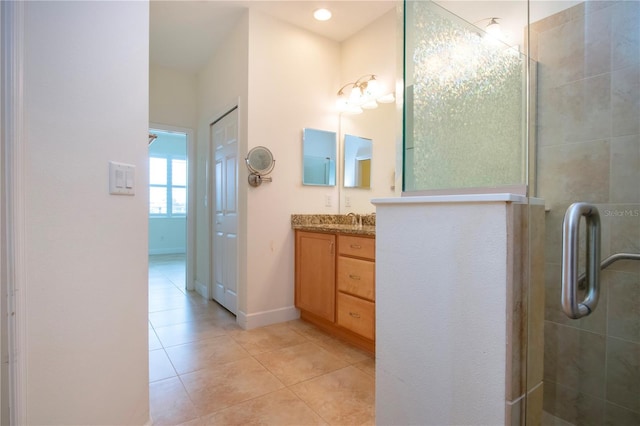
[356, 246]
[354, 314]
[354, 277]
[331, 247]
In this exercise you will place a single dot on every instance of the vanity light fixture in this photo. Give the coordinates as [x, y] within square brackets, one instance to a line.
[364, 93]
[322, 14]
[493, 28]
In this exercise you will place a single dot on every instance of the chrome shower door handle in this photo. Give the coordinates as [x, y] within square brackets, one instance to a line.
[570, 247]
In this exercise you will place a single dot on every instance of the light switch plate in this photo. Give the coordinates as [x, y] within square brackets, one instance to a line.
[121, 178]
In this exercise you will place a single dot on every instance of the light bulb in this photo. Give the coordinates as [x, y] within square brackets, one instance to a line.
[322, 14]
[355, 95]
[372, 87]
[493, 28]
[386, 99]
[353, 110]
[342, 105]
[370, 105]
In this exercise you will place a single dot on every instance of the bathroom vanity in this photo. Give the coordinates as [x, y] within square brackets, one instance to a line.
[335, 275]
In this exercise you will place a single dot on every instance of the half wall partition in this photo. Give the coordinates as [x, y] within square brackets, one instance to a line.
[553, 112]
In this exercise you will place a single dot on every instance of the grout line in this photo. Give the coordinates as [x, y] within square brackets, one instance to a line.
[227, 333]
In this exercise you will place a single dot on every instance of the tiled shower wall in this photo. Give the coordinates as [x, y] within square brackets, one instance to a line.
[589, 150]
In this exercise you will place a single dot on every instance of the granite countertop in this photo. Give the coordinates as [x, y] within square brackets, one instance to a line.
[334, 223]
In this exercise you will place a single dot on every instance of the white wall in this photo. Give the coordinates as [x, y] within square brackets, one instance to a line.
[285, 79]
[293, 77]
[441, 310]
[167, 235]
[5, 81]
[86, 102]
[372, 50]
[172, 97]
[222, 84]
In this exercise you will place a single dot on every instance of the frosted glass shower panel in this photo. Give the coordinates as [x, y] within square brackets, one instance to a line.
[464, 123]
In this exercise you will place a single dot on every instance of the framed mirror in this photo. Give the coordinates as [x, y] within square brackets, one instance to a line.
[318, 157]
[357, 162]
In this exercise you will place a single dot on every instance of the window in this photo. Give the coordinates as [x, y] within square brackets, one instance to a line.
[167, 186]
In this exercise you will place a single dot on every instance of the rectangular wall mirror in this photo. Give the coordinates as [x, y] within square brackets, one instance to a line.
[357, 162]
[318, 157]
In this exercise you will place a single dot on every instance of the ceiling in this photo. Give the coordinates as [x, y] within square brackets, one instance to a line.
[184, 34]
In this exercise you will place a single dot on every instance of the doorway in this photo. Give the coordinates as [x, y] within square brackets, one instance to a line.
[170, 200]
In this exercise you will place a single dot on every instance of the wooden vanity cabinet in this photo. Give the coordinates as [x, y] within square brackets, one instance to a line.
[335, 284]
[315, 265]
[356, 285]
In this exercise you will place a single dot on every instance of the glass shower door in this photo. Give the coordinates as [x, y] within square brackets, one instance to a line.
[588, 150]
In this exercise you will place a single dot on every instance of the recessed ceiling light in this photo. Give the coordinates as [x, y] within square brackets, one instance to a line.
[322, 14]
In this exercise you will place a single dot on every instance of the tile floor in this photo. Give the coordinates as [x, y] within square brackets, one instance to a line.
[205, 370]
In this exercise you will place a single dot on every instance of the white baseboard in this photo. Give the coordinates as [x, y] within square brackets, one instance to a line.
[175, 250]
[264, 318]
[202, 289]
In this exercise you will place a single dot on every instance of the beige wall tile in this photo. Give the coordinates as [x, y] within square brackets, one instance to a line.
[573, 172]
[549, 122]
[572, 406]
[587, 109]
[597, 39]
[561, 54]
[517, 300]
[625, 101]
[552, 21]
[625, 169]
[588, 137]
[626, 34]
[536, 311]
[623, 373]
[625, 235]
[616, 416]
[575, 359]
[624, 305]
[535, 400]
[515, 412]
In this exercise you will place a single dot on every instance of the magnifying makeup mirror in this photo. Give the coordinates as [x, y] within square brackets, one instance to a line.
[260, 162]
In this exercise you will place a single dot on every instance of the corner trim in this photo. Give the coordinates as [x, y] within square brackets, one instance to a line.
[13, 189]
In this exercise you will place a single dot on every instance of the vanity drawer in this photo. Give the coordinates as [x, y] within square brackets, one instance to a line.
[357, 277]
[357, 315]
[357, 246]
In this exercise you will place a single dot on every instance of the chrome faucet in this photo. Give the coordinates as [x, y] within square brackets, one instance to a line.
[356, 219]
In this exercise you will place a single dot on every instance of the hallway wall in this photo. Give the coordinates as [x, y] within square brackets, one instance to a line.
[86, 82]
[293, 76]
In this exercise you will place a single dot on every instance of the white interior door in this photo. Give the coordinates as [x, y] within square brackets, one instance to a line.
[224, 144]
